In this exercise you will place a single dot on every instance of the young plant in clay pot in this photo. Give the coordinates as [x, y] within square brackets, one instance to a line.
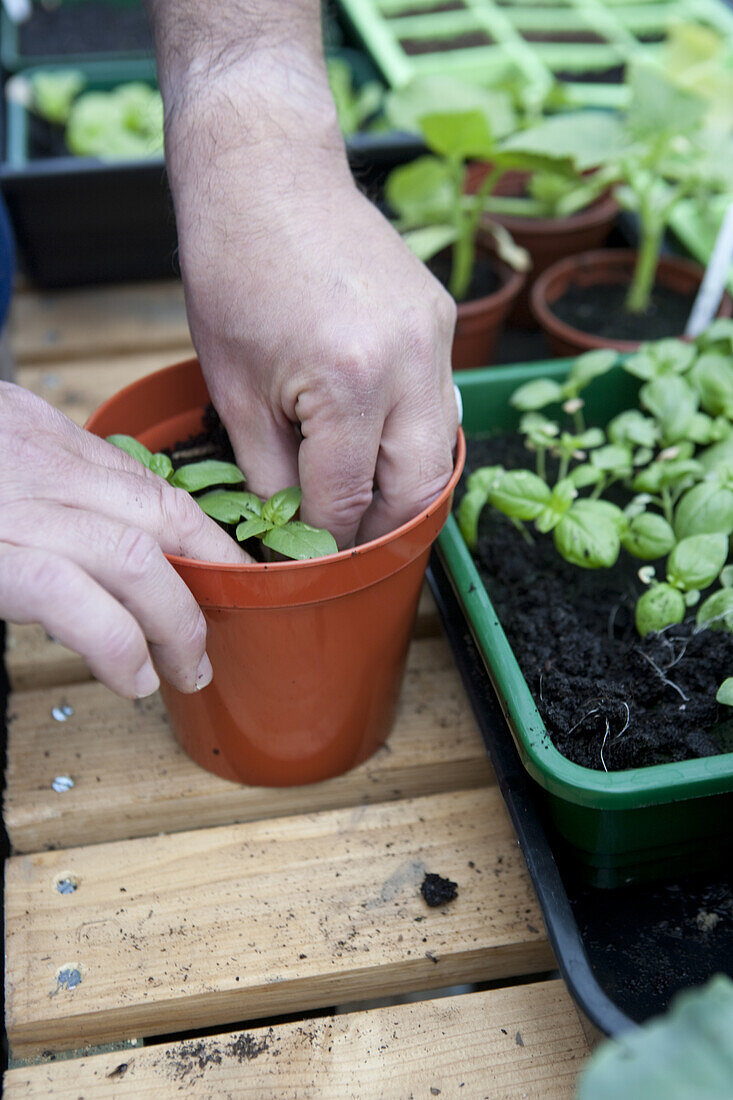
[659, 153]
[606, 557]
[441, 221]
[308, 654]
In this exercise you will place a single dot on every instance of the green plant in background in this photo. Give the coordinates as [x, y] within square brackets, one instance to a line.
[673, 456]
[124, 123]
[272, 521]
[666, 147]
[355, 106]
[459, 124]
[686, 1053]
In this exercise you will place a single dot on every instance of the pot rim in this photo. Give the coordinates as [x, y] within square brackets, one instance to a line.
[285, 567]
[614, 258]
[512, 282]
[602, 208]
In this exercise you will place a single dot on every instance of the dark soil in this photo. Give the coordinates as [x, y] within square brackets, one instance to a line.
[410, 9]
[415, 46]
[438, 890]
[211, 442]
[598, 686]
[91, 26]
[485, 279]
[45, 139]
[600, 310]
[563, 36]
[613, 75]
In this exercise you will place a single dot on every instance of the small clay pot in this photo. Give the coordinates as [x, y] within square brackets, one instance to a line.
[545, 239]
[480, 322]
[606, 267]
[308, 656]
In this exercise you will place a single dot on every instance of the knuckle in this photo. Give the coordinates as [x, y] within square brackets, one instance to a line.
[192, 631]
[123, 643]
[138, 554]
[42, 573]
[182, 512]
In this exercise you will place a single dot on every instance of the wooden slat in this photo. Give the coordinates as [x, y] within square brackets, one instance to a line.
[522, 1043]
[34, 660]
[78, 388]
[131, 779]
[234, 923]
[87, 323]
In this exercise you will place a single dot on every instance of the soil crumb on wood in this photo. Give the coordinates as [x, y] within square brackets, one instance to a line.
[606, 695]
[193, 1058]
[437, 890]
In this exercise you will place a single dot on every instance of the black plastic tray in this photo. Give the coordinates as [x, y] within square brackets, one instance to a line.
[623, 953]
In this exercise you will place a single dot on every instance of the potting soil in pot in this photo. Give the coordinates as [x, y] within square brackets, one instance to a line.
[600, 311]
[484, 281]
[606, 696]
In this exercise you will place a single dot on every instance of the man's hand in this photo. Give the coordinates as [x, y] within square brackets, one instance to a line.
[325, 343]
[83, 531]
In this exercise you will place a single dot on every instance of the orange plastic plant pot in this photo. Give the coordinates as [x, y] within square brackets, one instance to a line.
[308, 656]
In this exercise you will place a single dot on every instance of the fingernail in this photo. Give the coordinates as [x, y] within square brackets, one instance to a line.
[204, 673]
[146, 680]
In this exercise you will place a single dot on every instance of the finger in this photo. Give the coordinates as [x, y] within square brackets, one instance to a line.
[266, 448]
[145, 501]
[39, 587]
[414, 465]
[337, 461]
[130, 565]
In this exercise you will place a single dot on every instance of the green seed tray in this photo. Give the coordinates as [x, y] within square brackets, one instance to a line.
[620, 827]
[582, 43]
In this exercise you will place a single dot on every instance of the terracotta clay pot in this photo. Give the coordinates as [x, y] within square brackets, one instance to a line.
[606, 267]
[308, 656]
[479, 322]
[546, 239]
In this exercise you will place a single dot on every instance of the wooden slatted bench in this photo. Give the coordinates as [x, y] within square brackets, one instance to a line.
[233, 941]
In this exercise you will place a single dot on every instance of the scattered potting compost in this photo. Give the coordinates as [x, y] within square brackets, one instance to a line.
[366, 588]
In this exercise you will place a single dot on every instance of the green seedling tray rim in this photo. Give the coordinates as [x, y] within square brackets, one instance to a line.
[631, 789]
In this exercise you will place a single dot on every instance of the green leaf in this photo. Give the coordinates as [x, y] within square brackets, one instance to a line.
[726, 576]
[632, 428]
[459, 135]
[661, 474]
[161, 465]
[712, 377]
[589, 138]
[695, 562]
[131, 447]
[685, 1055]
[718, 332]
[602, 509]
[724, 695]
[587, 537]
[658, 105]
[660, 358]
[429, 240]
[299, 540]
[421, 193]
[659, 607]
[228, 506]
[519, 494]
[252, 527]
[584, 475]
[613, 459]
[672, 403]
[54, 92]
[590, 365]
[716, 612]
[483, 478]
[202, 475]
[426, 95]
[467, 516]
[702, 429]
[720, 454]
[282, 506]
[648, 537]
[705, 509]
[561, 498]
[536, 395]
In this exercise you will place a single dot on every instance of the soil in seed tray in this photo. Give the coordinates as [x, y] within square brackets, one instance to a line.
[91, 26]
[600, 310]
[45, 139]
[563, 36]
[485, 280]
[599, 687]
[415, 46]
[433, 9]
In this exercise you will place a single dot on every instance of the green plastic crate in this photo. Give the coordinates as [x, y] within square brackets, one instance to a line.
[620, 827]
[545, 40]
